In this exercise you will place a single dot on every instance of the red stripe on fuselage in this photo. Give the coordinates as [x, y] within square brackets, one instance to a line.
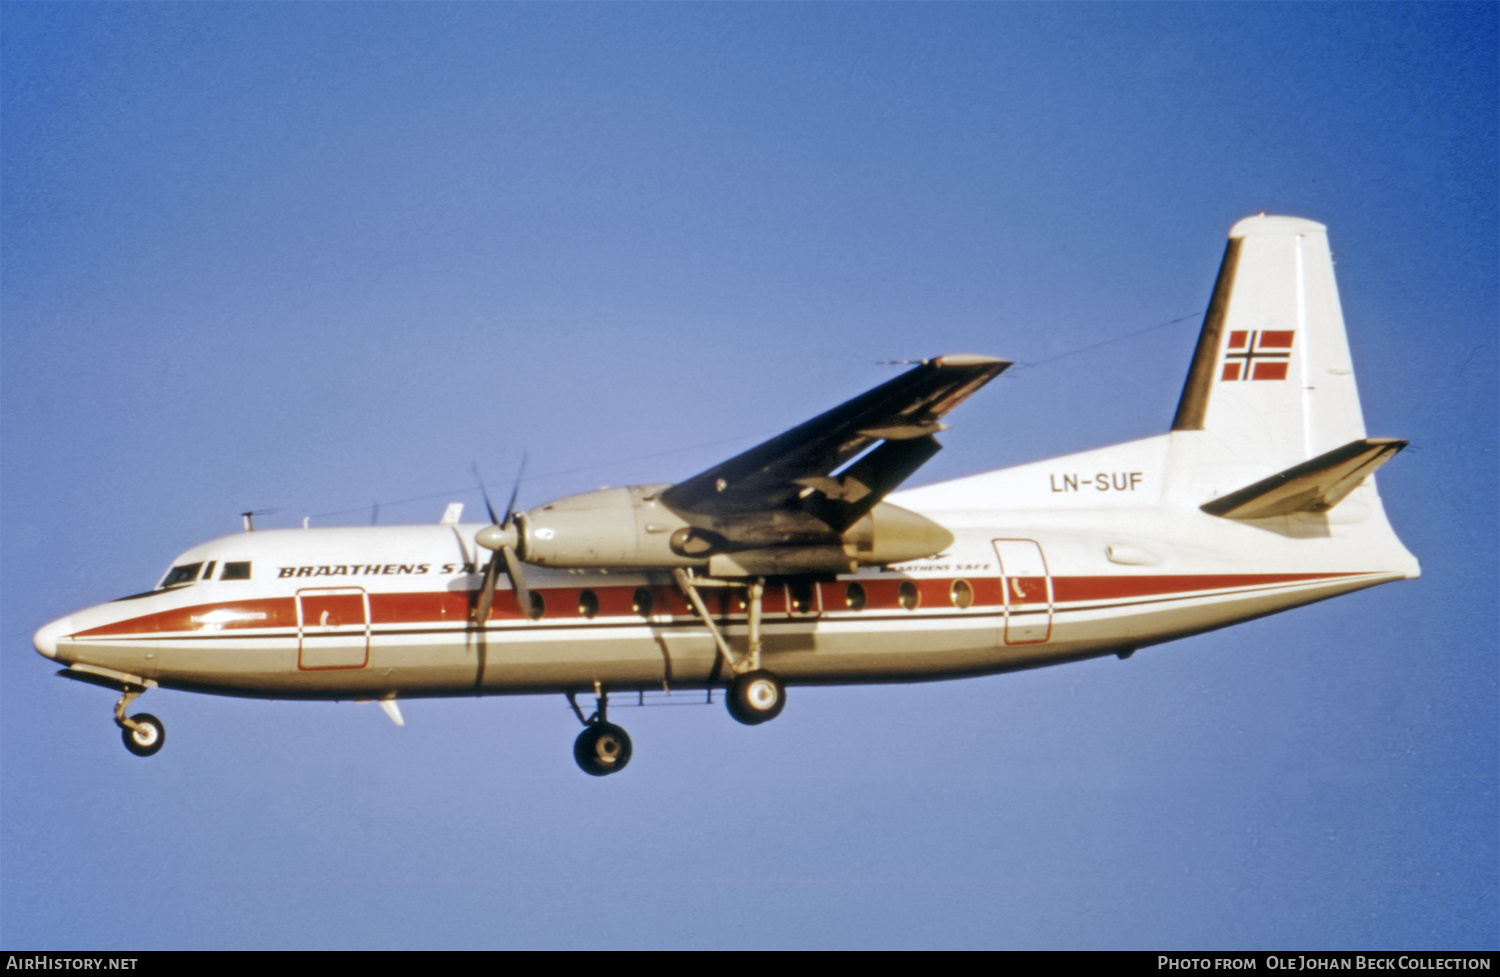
[564, 603]
[268, 612]
[1076, 589]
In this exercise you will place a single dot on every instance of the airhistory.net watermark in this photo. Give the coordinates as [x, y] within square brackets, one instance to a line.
[61, 961]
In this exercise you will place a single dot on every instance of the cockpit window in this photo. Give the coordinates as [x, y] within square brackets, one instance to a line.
[185, 574]
[236, 571]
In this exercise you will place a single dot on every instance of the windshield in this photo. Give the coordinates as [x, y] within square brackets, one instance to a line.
[185, 574]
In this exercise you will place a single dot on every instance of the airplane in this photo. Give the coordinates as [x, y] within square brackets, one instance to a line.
[797, 562]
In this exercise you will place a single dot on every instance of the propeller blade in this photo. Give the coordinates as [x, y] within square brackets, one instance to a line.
[510, 508]
[487, 507]
[486, 593]
[517, 581]
[498, 537]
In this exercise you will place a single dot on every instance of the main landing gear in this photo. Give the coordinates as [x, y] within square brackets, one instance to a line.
[755, 695]
[143, 733]
[602, 748]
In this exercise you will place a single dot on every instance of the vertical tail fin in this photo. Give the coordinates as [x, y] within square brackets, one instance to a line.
[1272, 381]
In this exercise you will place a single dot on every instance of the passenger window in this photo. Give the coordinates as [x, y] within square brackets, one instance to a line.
[538, 607]
[236, 571]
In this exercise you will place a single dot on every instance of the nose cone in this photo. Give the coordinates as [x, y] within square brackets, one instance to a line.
[45, 640]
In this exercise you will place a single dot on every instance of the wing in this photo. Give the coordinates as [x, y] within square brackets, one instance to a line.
[791, 478]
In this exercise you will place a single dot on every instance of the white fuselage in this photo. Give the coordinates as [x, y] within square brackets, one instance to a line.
[1056, 561]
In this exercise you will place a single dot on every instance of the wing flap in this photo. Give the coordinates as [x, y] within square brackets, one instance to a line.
[870, 479]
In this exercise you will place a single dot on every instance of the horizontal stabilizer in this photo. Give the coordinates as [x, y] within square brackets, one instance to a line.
[1313, 486]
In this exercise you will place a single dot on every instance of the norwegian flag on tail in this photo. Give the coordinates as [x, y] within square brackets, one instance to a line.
[1258, 354]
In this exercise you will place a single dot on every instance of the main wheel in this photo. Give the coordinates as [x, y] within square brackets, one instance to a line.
[148, 738]
[755, 698]
[601, 749]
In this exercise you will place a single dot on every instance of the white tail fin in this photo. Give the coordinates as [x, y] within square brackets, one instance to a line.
[1268, 431]
[1271, 381]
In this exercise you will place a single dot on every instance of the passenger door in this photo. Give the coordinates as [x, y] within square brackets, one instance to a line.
[1027, 586]
[333, 628]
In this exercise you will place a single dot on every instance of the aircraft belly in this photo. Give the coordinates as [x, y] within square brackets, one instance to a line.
[684, 654]
[882, 649]
[127, 657]
[1111, 625]
[576, 658]
[230, 664]
[274, 666]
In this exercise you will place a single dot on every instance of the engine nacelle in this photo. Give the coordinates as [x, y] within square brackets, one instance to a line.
[618, 527]
[887, 534]
[891, 534]
[630, 528]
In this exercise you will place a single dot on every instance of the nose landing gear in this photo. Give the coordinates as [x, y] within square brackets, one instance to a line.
[143, 733]
[602, 748]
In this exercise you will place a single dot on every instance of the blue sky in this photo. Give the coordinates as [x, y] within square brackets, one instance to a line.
[322, 257]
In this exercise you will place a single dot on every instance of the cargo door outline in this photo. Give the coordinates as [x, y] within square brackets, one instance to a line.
[1026, 584]
[333, 628]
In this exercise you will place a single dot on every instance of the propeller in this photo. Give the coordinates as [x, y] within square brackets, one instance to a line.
[501, 536]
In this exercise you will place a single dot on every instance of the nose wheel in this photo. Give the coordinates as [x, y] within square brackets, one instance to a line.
[602, 748]
[148, 736]
[143, 733]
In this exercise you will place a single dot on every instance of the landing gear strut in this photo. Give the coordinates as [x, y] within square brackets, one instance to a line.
[602, 748]
[143, 733]
[755, 695]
